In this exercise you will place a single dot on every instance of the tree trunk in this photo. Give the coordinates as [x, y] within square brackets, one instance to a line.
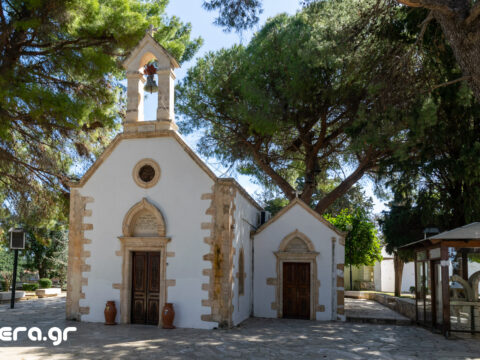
[460, 22]
[398, 268]
[8, 282]
[342, 188]
[42, 272]
[351, 279]
[465, 43]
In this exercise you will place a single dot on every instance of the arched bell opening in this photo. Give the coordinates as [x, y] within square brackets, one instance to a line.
[143, 102]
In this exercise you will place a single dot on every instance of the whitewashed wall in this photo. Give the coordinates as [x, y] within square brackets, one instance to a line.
[178, 196]
[268, 241]
[473, 267]
[245, 222]
[339, 259]
[384, 273]
[388, 276]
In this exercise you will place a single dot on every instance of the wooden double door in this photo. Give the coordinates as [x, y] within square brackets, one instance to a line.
[145, 288]
[296, 290]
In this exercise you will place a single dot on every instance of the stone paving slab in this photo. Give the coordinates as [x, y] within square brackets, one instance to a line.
[363, 310]
[254, 339]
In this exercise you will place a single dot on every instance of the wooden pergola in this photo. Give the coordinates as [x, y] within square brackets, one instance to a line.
[447, 275]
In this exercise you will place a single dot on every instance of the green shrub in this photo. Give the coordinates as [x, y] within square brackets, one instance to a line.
[3, 285]
[45, 283]
[30, 287]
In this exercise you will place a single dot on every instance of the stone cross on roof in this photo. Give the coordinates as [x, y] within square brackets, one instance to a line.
[151, 30]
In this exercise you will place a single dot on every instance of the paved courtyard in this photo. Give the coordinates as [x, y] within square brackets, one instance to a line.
[254, 339]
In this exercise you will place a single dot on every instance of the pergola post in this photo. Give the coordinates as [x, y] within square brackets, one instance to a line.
[416, 289]
[445, 291]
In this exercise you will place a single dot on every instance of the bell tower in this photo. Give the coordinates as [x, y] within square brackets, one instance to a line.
[150, 58]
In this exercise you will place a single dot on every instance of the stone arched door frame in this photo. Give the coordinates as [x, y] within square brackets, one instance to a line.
[309, 256]
[129, 244]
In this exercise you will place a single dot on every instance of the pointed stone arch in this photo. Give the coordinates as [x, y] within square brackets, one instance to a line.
[296, 242]
[149, 49]
[145, 220]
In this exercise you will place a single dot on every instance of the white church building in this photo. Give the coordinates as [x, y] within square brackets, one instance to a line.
[151, 224]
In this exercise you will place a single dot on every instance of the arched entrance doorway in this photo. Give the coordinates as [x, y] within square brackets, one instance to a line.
[297, 290]
[143, 249]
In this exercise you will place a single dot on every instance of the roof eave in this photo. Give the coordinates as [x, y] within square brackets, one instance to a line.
[304, 205]
[141, 44]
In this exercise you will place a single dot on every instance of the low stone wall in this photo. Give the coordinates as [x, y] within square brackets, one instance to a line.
[41, 293]
[461, 315]
[404, 306]
[5, 296]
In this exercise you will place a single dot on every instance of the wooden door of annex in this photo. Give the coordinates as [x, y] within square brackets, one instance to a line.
[145, 288]
[296, 290]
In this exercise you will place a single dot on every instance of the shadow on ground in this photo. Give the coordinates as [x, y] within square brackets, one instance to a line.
[255, 338]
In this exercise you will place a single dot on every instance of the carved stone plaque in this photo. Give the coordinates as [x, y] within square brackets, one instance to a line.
[146, 224]
[297, 245]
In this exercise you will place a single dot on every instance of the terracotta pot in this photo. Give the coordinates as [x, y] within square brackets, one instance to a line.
[168, 314]
[110, 313]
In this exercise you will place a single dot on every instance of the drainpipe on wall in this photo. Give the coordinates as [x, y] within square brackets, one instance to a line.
[252, 302]
[334, 277]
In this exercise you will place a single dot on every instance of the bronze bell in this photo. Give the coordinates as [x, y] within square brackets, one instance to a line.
[151, 85]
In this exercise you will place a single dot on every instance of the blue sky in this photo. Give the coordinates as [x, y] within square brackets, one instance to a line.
[215, 38]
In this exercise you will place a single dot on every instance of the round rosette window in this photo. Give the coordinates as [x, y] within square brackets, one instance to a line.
[146, 173]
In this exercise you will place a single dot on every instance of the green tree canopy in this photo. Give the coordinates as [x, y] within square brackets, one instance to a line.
[61, 101]
[235, 14]
[401, 225]
[459, 21]
[301, 102]
[352, 200]
[441, 164]
[436, 171]
[47, 251]
[59, 73]
[362, 246]
[44, 217]
[6, 267]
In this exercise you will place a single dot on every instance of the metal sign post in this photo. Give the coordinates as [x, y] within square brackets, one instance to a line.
[17, 241]
[14, 280]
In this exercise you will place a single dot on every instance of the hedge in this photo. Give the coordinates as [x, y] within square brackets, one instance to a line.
[45, 283]
[30, 287]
